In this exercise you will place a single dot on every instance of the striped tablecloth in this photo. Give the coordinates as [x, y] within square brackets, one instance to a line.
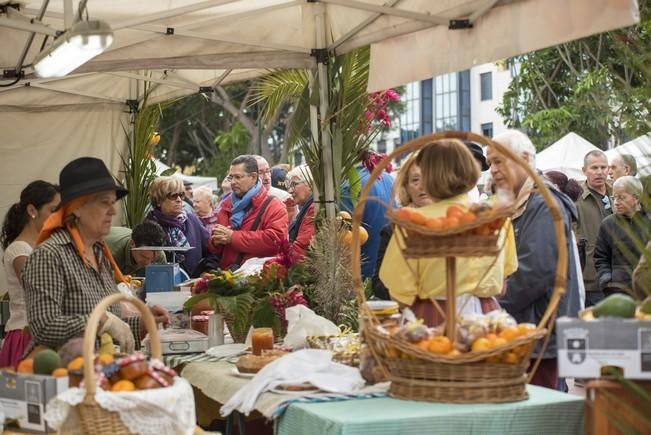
[545, 412]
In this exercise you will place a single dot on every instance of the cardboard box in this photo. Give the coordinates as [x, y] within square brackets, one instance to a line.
[585, 346]
[25, 397]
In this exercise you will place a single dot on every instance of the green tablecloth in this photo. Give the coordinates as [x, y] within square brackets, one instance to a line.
[546, 412]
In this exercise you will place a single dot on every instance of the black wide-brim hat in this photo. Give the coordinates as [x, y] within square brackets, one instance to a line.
[87, 175]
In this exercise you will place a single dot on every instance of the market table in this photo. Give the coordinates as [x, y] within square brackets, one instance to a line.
[545, 412]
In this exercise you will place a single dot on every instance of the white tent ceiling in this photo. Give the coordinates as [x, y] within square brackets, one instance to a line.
[184, 45]
[565, 155]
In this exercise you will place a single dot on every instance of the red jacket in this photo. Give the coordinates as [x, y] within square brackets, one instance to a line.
[305, 233]
[263, 242]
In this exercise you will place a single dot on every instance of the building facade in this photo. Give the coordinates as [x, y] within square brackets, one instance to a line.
[464, 100]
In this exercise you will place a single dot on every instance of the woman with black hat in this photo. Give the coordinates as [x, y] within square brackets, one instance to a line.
[72, 269]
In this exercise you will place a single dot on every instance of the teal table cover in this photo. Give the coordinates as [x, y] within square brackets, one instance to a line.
[545, 412]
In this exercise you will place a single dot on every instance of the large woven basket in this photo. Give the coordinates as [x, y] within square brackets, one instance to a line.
[94, 419]
[467, 378]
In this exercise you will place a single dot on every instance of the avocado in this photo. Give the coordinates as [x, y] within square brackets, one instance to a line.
[617, 305]
[46, 361]
[645, 306]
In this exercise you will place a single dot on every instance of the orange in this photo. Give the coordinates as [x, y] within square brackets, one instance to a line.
[423, 345]
[123, 385]
[481, 344]
[454, 211]
[26, 366]
[434, 223]
[510, 333]
[76, 364]
[104, 359]
[526, 328]
[453, 222]
[418, 218]
[440, 344]
[402, 214]
[348, 237]
[454, 353]
[483, 231]
[491, 337]
[498, 342]
[363, 235]
[467, 218]
[60, 372]
[510, 358]
[521, 350]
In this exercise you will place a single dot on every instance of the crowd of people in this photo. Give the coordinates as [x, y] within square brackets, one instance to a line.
[62, 254]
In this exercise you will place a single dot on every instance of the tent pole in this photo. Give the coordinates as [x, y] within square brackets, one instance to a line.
[314, 130]
[326, 145]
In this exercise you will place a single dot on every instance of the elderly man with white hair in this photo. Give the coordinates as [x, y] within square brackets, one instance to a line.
[301, 230]
[202, 202]
[529, 289]
[621, 238]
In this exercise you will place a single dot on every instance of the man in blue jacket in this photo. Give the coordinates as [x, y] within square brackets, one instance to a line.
[374, 218]
[529, 289]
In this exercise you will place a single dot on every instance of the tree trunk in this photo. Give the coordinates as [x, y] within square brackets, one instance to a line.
[171, 155]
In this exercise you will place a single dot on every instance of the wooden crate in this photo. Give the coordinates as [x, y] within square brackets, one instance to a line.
[609, 403]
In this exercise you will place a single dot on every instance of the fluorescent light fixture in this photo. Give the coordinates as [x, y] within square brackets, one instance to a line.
[79, 44]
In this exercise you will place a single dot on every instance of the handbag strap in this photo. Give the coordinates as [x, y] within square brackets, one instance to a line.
[256, 224]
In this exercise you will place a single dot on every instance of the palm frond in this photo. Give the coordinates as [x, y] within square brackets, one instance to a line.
[278, 88]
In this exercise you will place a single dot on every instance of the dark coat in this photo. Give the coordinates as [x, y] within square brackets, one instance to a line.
[530, 288]
[617, 251]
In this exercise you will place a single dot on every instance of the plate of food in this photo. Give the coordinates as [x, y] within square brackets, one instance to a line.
[235, 372]
[295, 389]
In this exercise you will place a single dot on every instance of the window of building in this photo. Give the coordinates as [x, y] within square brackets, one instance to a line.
[382, 146]
[486, 83]
[452, 101]
[487, 129]
[410, 119]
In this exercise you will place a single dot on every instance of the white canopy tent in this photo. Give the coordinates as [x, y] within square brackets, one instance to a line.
[640, 148]
[210, 182]
[565, 155]
[186, 46]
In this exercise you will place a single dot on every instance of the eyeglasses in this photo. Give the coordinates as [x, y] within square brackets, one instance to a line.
[265, 172]
[293, 184]
[238, 177]
[173, 196]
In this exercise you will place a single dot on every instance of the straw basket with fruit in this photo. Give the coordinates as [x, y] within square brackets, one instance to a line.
[473, 361]
[129, 395]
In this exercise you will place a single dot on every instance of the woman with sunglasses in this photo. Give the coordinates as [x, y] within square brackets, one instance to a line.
[183, 229]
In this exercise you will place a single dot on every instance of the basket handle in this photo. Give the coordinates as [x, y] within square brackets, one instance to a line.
[91, 334]
[416, 144]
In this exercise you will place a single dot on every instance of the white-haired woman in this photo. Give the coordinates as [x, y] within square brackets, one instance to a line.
[621, 238]
[301, 230]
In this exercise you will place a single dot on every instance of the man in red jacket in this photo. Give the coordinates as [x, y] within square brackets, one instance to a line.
[250, 223]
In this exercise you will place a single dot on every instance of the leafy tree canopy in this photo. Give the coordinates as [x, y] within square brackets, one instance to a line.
[598, 87]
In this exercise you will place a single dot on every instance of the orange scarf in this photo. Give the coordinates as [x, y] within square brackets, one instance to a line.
[57, 220]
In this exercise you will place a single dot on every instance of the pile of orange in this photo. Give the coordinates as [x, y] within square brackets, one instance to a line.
[455, 216]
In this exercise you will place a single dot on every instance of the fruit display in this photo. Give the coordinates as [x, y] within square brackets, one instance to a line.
[132, 373]
[621, 306]
[479, 219]
[475, 333]
[345, 225]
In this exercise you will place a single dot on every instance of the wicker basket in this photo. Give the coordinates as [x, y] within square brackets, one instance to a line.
[421, 241]
[95, 419]
[330, 342]
[416, 374]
